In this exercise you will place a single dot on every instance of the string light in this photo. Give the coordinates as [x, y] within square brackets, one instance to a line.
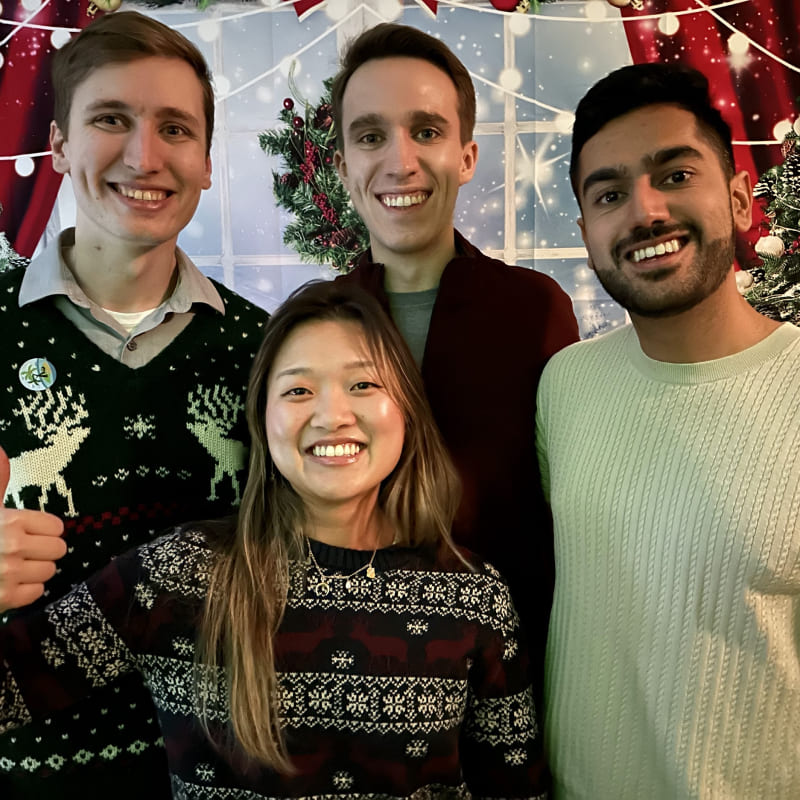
[669, 24]
[509, 81]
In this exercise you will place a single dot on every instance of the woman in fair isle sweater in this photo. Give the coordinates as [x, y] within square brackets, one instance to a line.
[331, 641]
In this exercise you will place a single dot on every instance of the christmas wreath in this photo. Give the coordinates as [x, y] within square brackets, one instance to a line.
[326, 228]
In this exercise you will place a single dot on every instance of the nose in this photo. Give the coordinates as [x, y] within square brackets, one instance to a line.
[648, 205]
[401, 157]
[333, 410]
[143, 149]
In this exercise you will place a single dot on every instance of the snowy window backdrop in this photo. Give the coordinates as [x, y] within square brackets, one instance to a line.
[519, 206]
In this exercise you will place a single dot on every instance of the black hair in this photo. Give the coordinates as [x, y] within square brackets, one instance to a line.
[633, 87]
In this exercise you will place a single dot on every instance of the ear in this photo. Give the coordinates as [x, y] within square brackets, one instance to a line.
[742, 201]
[469, 160]
[207, 174]
[582, 227]
[341, 167]
[58, 144]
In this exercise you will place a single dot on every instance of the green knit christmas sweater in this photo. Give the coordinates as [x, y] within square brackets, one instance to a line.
[119, 454]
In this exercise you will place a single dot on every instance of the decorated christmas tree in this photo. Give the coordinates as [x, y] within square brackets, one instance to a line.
[326, 228]
[775, 290]
[9, 258]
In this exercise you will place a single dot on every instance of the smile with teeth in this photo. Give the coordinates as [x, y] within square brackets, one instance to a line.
[404, 200]
[660, 249]
[330, 450]
[141, 194]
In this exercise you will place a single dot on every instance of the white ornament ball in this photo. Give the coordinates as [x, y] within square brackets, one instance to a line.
[796, 126]
[770, 246]
[744, 280]
[619, 3]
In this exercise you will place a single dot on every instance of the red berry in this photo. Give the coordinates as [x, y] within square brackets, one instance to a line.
[288, 103]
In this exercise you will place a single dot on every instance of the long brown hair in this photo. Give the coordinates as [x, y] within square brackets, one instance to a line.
[249, 579]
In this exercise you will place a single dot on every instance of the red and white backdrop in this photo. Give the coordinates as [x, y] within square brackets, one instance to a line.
[529, 70]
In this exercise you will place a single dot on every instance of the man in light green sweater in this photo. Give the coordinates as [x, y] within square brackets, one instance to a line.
[670, 454]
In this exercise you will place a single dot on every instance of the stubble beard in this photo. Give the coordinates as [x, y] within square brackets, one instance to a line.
[642, 296]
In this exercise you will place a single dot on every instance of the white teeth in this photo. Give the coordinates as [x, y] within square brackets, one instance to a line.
[403, 200]
[660, 249]
[330, 450]
[141, 194]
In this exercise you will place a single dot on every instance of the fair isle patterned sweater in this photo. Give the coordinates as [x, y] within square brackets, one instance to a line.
[673, 663]
[410, 684]
[119, 454]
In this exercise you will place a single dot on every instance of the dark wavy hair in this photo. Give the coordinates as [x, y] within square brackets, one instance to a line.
[633, 87]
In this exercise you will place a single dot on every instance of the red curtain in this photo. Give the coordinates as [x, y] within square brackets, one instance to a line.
[754, 91]
[26, 108]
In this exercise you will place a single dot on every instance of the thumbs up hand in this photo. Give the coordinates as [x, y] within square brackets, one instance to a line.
[30, 544]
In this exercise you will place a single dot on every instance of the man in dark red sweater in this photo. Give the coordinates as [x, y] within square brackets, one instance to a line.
[481, 330]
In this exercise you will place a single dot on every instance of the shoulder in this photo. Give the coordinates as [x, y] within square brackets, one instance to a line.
[512, 275]
[178, 562]
[608, 347]
[366, 274]
[10, 281]
[238, 332]
[522, 298]
[477, 585]
[241, 308]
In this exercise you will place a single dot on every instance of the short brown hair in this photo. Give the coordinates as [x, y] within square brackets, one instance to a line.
[120, 38]
[389, 40]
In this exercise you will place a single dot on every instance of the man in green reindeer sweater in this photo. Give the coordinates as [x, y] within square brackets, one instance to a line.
[123, 373]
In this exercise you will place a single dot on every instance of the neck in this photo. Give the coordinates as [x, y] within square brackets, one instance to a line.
[418, 271]
[122, 276]
[361, 526]
[722, 325]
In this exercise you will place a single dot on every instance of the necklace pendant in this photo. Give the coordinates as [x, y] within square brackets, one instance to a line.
[370, 571]
[348, 584]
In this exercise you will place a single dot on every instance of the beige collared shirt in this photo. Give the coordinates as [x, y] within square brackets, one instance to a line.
[49, 276]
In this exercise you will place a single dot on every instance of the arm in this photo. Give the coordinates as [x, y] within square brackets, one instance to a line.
[30, 544]
[541, 438]
[54, 658]
[502, 752]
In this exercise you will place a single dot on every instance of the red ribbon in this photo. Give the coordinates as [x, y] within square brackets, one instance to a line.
[303, 7]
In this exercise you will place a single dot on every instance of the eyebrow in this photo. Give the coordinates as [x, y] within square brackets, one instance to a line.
[657, 159]
[361, 364]
[166, 112]
[417, 119]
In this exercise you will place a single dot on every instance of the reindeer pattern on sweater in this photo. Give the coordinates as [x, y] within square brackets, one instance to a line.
[121, 453]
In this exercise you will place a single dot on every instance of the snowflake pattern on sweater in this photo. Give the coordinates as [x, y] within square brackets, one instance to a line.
[371, 705]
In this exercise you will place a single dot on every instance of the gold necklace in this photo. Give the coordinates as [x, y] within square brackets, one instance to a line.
[324, 585]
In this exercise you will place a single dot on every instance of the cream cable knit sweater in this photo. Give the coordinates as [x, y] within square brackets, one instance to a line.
[673, 661]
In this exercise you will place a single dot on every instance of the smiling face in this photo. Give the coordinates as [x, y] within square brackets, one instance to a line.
[659, 214]
[403, 160]
[135, 150]
[333, 431]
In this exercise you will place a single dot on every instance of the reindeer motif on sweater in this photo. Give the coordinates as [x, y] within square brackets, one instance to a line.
[55, 418]
[213, 412]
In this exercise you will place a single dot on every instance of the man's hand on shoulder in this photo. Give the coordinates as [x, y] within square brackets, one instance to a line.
[30, 544]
